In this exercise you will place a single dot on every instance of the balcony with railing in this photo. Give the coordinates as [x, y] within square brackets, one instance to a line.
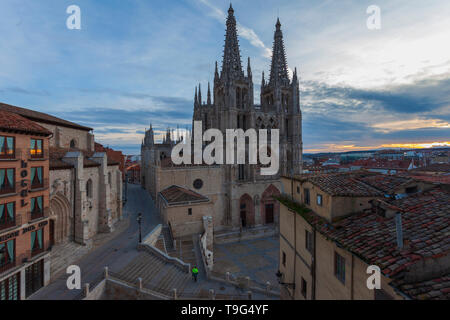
[10, 154]
[27, 256]
[6, 222]
[7, 189]
[39, 185]
[38, 213]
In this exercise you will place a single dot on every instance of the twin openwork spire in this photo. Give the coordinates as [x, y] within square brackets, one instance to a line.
[231, 65]
[278, 68]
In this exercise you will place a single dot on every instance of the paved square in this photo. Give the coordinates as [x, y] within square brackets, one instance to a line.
[257, 259]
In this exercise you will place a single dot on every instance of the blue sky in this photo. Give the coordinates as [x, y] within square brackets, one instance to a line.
[137, 61]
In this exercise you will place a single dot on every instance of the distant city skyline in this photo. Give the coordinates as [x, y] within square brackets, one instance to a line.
[138, 62]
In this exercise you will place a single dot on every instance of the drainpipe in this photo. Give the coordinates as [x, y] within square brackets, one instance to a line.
[73, 204]
[313, 267]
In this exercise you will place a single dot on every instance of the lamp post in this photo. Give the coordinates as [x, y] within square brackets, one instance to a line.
[139, 219]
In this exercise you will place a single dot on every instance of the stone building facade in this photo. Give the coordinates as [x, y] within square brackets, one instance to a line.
[241, 196]
[85, 186]
[333, 227]
[25, 228]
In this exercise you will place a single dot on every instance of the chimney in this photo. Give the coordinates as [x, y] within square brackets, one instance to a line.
[398, 230]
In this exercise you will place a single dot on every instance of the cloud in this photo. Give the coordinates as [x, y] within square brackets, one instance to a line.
[243, 31]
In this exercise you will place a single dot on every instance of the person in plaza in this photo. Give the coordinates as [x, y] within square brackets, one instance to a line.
[194, 273]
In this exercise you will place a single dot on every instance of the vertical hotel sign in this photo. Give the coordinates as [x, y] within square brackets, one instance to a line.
[23, 183]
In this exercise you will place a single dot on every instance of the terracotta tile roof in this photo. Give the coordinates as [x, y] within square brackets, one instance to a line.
[12, 121]
[434, 289]
[425, 224]
[56, 155]
[385, 183]
[436, 167]
[343, 184]
[41, 117]
[178, 195]
[382, 164]
[442, 178]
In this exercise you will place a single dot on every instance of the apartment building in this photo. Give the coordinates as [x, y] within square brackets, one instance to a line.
[333, 227]
[26, 235]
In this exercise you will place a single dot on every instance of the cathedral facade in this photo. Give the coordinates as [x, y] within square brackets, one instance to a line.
[242, 196]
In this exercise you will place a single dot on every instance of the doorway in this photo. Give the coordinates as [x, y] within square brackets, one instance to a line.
[243, 216]
[52, 232]
[269, 213]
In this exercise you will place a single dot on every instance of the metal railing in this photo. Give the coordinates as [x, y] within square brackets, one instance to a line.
[6, 223]
[38, 214]
[37, 186]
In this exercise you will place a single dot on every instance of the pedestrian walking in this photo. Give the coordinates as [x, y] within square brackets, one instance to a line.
[194, 273]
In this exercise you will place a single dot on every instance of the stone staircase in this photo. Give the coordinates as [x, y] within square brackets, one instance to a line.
[168, 240]
[157, 274]
[185, 251]
[63, 255]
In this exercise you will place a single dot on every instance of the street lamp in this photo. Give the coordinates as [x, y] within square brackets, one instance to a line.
[279, 276]
[139, 219]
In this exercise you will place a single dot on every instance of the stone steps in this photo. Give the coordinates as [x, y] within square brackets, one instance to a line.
[156, 273]
[64, 255]
[168, 240]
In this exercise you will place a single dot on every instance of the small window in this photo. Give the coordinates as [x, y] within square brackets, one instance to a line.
[36, 148]
[298, 189]
[7, 215]
[89, 188]
[7, 181]
[7, 147]
[306, 195]
[37, 207]
[241, 172]
[190, 211]
[109, 178]
[37, 241]
[198, 183]
[304, 288]
[319, 199]
[73, 144]
[284, 259]
[339, 267]
[7, 253]
[36, 177]
[308, 241]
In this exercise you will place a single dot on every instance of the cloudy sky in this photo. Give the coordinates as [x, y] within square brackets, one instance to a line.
[137, 62]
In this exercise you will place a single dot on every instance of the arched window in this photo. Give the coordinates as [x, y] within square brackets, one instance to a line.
[89, 188]
[109, 178]
[73, 143]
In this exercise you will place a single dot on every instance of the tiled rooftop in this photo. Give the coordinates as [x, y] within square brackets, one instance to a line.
[343, 184]
[384, 183]
[41, 117]
[436, 167]
[426, 229]
[434, 289]
[56, 155]
[12, 121]
[176, 195]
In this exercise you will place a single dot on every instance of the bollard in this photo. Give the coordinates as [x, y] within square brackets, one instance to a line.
[268, 285]
[212, 296]
[248, 281]
[139, 283]
[86, 289]
[175, 294]
[228, 276]
[249, 293]
[106, 274]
